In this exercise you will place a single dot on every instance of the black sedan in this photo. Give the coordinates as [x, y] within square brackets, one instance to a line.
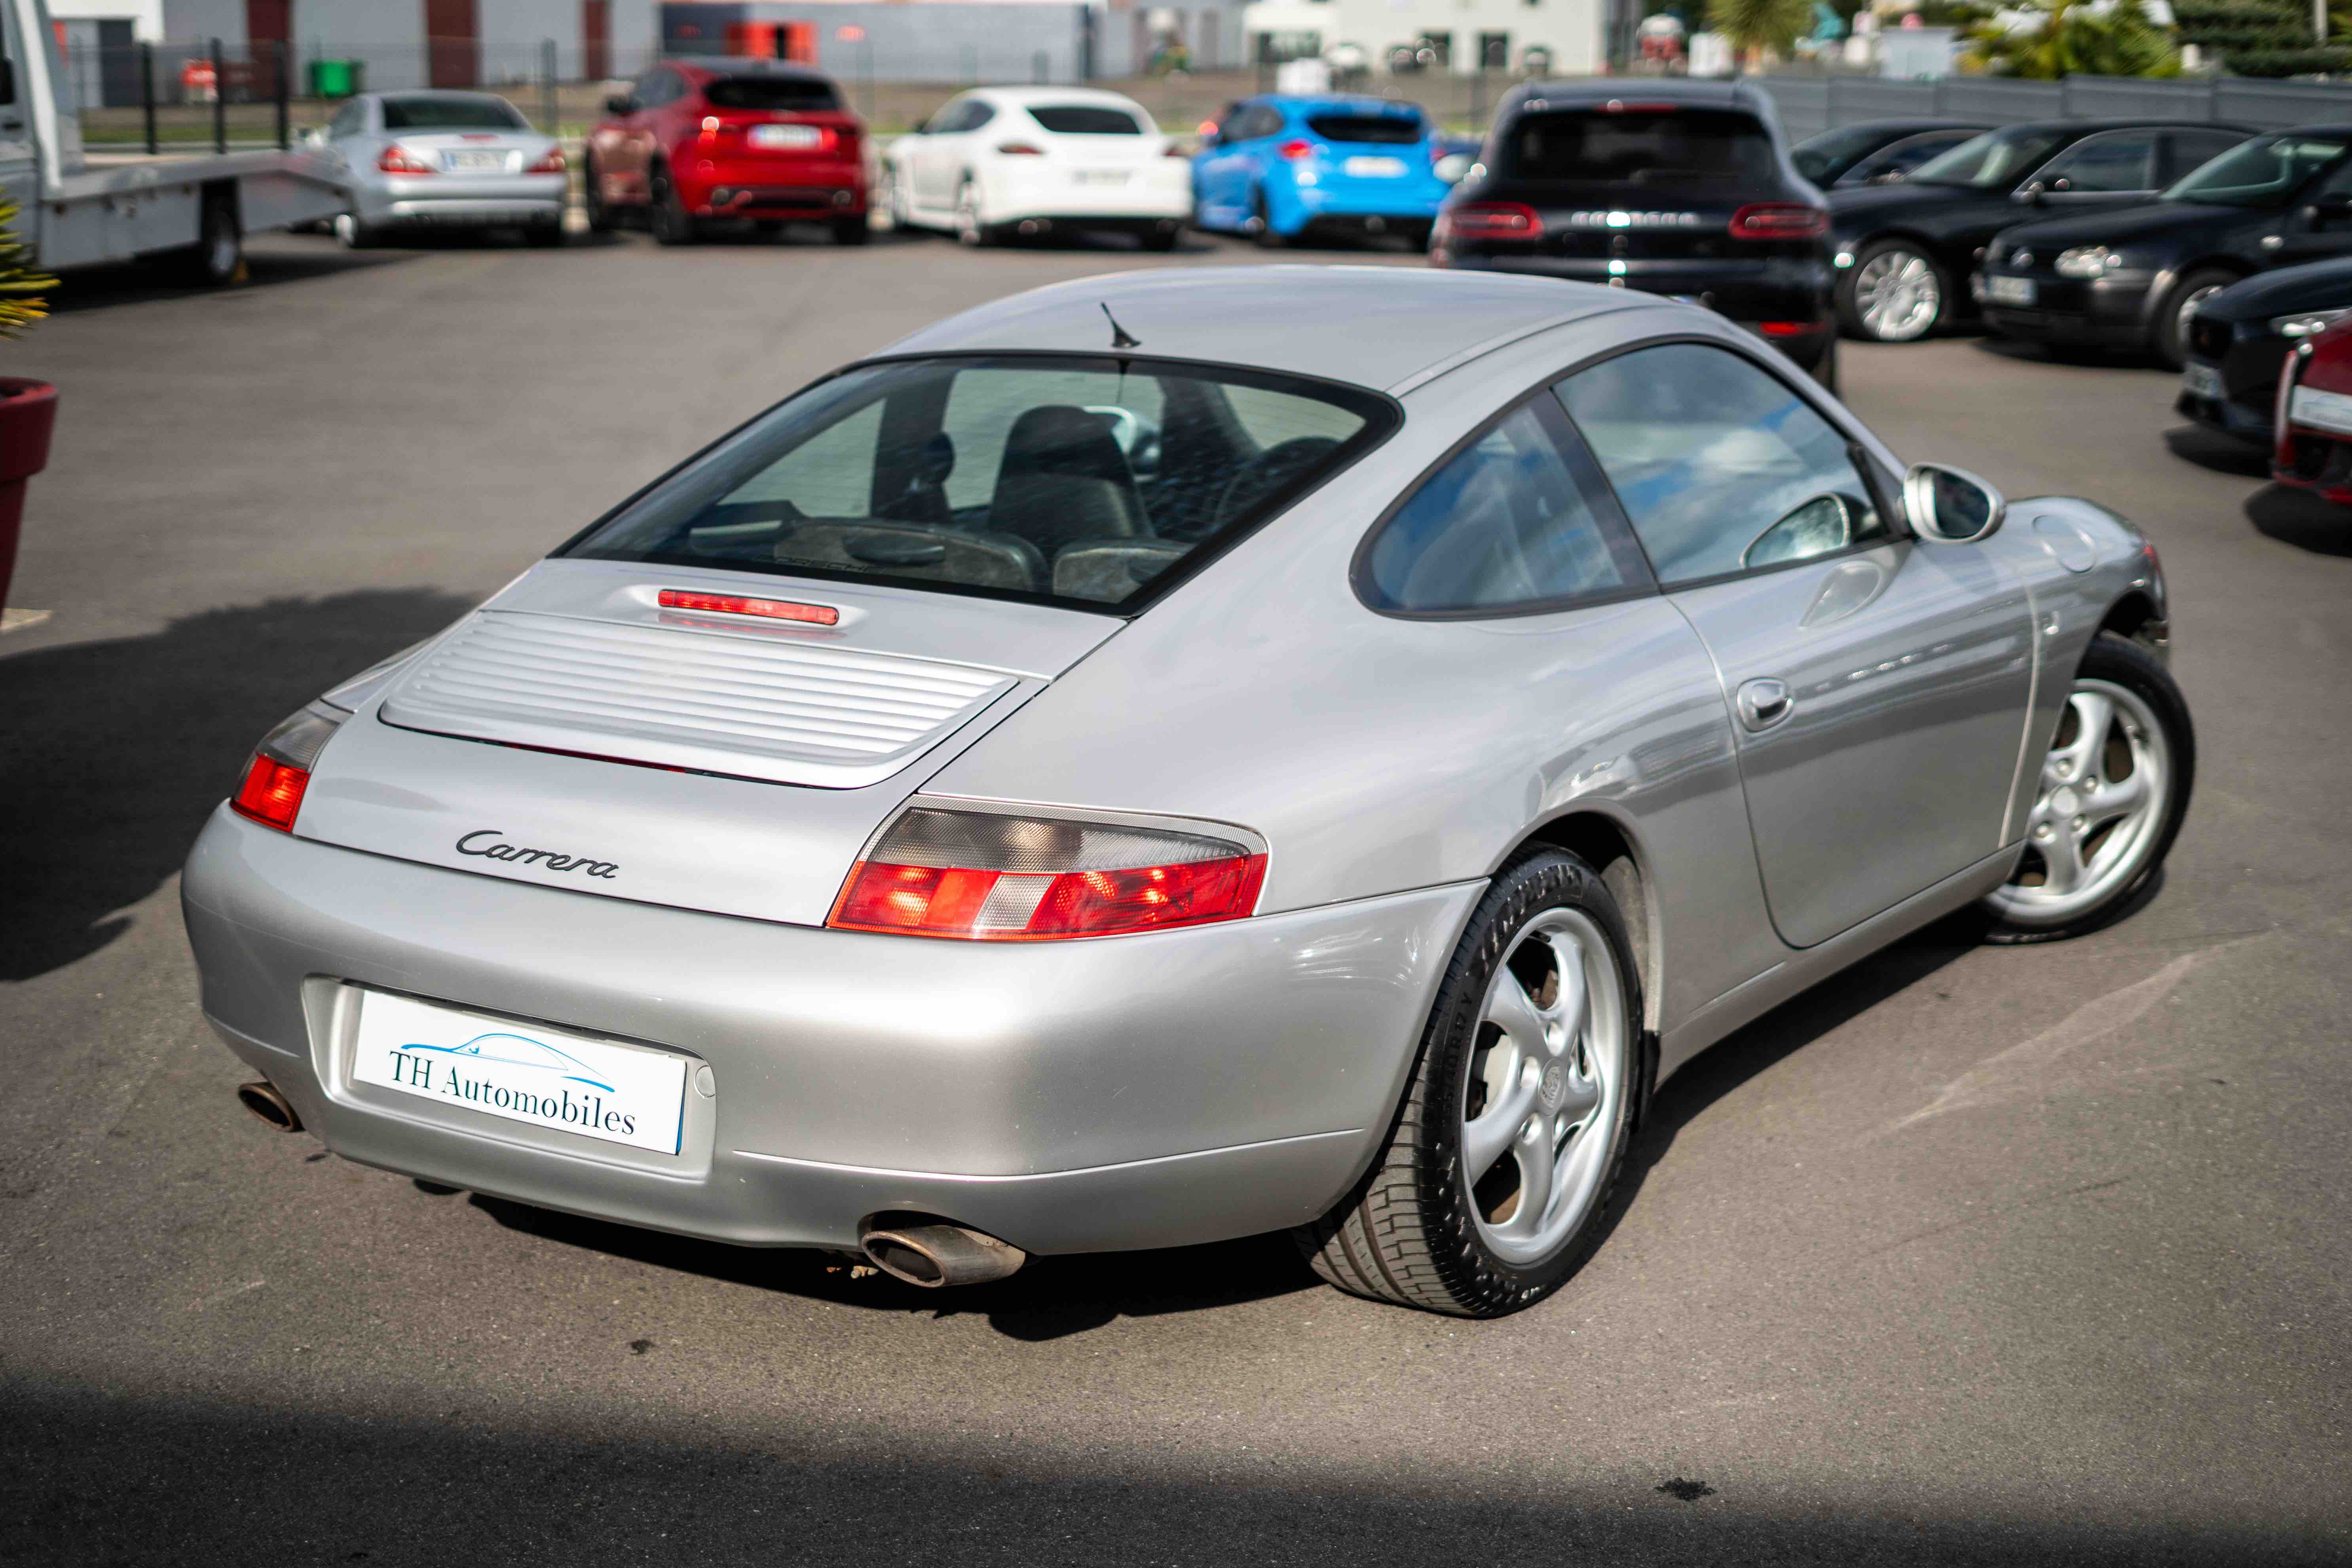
[1876, 152]
[1903, 250]
[2239, 339]
[1676, 186]
[2132, 280]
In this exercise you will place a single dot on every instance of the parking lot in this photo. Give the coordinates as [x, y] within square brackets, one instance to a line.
[1975, 1255]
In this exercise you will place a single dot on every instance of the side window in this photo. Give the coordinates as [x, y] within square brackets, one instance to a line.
[347, 121]
[1720, 466]
[1503, 525]
[2192, 150]
[976, 114]
[950, 119]
[1910, 154]
[2337, 182]
[2119, 161]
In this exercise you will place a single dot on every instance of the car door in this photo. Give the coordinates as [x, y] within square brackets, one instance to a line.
[940, 161]
[2187, 151]
[1228, 178]
[1880, 682]
[2115, 168]
[2318, 227]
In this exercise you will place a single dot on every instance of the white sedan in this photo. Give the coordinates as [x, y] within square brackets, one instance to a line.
[1003, 161]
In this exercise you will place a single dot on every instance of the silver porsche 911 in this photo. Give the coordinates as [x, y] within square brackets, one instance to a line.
[1180, 755]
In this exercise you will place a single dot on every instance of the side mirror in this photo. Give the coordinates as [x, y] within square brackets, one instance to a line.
[1951, 505]
[620, 105]
[1451, 167]
[1819, 526]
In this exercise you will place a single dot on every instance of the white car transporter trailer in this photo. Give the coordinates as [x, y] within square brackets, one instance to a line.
[75, 209]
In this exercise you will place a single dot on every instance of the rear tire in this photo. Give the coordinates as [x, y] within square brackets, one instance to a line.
[671, 223]
[1894, 293]
[1262, 225]
[1153, 239]
[2125, 734]
[356, 235]
[543, 235]
[1826, 369]
[1534, 1065]
[972, 231]
[217, 259]
[851, 230]
[2172, 342]
[600, 217]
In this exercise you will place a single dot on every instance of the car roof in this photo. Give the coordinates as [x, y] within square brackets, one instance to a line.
[1026, 96]
[745, 65]
[2140, 122]
[1310, 101]
[1378, 327]
[1682, 91]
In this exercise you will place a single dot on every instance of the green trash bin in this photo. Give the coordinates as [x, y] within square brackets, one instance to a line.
[338, 79]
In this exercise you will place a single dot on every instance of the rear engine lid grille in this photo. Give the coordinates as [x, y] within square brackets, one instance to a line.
[751, 708]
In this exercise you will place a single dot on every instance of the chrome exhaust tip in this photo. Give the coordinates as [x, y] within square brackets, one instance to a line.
[933, 1256]
[261, 1098]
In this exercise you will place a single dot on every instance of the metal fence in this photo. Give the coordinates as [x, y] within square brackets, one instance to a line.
[1811, 104]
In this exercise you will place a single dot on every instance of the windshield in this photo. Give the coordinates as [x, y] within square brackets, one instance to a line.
[781, 94]
[1072, 479]
[452, 113]
[1384, 130]
[1633, 146]
[1992, 162]
[1823, 158]
[1083, 119]
[2260, 173]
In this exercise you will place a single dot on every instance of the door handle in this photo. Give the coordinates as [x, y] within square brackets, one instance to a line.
[1764, 703]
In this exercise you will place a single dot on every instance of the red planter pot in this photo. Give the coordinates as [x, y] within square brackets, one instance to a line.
[28, 411]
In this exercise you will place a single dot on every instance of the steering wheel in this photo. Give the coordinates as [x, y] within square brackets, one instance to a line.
[1266, 473]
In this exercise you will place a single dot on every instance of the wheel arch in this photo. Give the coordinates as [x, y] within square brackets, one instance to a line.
[1610, 846]
[2135, 615]
[2167, 279]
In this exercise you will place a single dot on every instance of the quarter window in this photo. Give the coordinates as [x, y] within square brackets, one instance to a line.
[1720, 466]
[1505, 524]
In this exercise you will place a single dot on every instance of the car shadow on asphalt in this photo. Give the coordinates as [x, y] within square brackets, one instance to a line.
[117, 751]
[2301, 518]
[2222, 454]
[136, 282]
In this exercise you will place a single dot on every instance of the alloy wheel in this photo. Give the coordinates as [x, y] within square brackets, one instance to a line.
[1547, 1087]
[2106, 788]
[1898, 295]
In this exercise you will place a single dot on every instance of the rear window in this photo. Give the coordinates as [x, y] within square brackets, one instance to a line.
[1389, 130]
[452, 113]
[1637, 146]
[1085, 119]
[1072, 480]
[784, 94]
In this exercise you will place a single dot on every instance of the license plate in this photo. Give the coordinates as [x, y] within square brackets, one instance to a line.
[2009, 290]
[785, 136]
[474, 163]
[523, 1072]
[1374, 168]
[1101, 176]
[2201, 381]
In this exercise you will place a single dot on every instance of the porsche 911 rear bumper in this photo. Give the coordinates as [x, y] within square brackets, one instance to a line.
[1151, 1091]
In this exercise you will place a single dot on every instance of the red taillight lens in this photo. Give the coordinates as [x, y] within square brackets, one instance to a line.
[1789, 329]
[271, 792]
[1020, 149]
[552, 164]
[1173, 151]
[1778, 220]
[732, 604]
[1295, 151]
[398, 159]
[1493, 220]
[981, 877]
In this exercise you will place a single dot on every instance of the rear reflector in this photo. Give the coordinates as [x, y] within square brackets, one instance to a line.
[1492, 220]
[983, 877]
[398, 159]
[1020, 149]
[552, 164]
[1778, 220]
[1789, 329]
[731, 605]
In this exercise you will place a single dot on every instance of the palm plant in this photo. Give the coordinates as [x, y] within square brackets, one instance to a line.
[2072, 37]
[22, 290]
[1752, 28]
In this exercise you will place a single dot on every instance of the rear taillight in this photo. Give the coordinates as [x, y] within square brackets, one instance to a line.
[280, 771]
[1778, 220]
[1020, 149]
[398, 159]
[1296, 151]
[1492, 220]
[552, 164]
[1789, 329]
[1173, 151]
[987, 877]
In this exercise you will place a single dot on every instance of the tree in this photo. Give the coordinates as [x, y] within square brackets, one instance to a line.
[21, 288]
[1753, 26]
[2072, 37]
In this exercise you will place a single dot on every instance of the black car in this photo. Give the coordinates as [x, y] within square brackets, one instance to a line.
[1877, 151]
[1675, 186]
[2239, 339]
[1905, 251]
[2132, 280]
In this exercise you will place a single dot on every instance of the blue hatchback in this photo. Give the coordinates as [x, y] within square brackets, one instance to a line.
[1279, 167]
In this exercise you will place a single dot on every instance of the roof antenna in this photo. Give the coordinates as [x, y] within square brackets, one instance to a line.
[1119, 334]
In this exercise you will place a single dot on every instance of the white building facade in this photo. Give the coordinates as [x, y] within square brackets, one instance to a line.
[1459, 36]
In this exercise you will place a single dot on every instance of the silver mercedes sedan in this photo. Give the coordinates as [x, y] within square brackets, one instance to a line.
[1179, 755]
[443, 159]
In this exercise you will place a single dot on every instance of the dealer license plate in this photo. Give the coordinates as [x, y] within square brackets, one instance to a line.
[474, 162]
[785, 136]
[523, 1072]
[1101, 176]
[1374, 168]
[2009, 290]
[2201, 381]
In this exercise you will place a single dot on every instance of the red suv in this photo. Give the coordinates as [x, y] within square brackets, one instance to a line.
[695, 142]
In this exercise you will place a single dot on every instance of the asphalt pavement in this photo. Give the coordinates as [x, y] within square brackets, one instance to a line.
[1970, 1256]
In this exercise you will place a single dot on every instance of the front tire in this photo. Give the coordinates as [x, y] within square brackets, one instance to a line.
[2114, 789]
[1514, 1129]
[2171, 344]
[1895, 293]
